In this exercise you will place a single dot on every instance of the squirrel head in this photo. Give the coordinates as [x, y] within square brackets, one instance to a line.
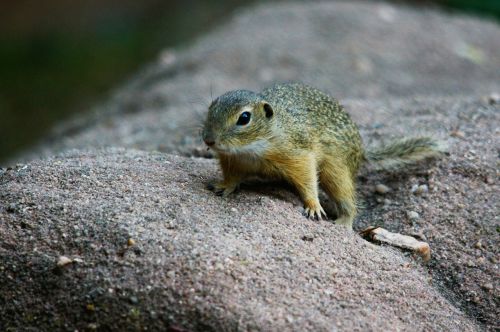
[239, 122]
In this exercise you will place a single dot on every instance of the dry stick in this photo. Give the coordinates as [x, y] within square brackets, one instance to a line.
[398, 240]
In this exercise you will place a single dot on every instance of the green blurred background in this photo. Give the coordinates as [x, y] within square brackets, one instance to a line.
[58, 57]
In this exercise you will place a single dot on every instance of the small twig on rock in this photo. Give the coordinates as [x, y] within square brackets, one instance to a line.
[379, 234]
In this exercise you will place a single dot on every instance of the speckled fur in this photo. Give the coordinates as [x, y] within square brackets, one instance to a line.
[307, 139]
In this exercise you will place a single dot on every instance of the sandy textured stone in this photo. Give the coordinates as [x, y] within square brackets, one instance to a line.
[199, 262]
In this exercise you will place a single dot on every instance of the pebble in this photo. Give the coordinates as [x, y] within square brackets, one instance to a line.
[382, 188]
[92, 327]
[457, 134]
[494, 98]
[470, 264]
[419, 189]
[63, 261]
[167, 58]
[478, 245]
[412, 215]
[133, 299]
[423, 188]
[488, 286]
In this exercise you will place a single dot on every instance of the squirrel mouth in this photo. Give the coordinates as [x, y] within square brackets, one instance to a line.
[256, 148]
[222, 149]
[216, 148]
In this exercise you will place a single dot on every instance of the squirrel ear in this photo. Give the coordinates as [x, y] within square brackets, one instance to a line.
[269, 110]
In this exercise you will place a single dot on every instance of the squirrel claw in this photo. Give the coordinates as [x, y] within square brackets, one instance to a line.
[220, 189]
[315, 213]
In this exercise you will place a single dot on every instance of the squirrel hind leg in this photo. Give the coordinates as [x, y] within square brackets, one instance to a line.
[346, 214]
[337, 181]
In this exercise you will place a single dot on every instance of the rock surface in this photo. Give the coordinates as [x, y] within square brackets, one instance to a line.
[199, 262]
[148, 247]
[460, 207]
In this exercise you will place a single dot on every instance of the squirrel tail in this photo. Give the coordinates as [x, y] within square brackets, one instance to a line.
[403, 153]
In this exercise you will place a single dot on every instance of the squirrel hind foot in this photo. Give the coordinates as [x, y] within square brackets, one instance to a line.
[221, 189]
[345, 221]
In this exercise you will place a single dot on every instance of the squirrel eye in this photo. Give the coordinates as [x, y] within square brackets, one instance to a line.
[243, 119]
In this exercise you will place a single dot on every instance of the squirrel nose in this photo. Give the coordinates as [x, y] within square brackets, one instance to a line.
[209, 142]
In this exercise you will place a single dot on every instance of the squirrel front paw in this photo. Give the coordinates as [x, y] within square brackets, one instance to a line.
[313, 210]
[221, 188]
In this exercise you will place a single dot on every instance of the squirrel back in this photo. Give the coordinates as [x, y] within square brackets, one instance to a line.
[309, 114]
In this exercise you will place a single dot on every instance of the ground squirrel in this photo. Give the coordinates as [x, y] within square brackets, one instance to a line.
[300, 134]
